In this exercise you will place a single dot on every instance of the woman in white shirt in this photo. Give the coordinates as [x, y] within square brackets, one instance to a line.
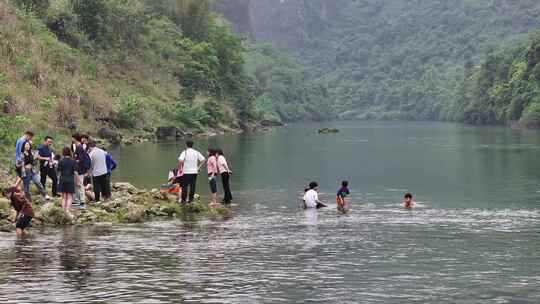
[225, 173]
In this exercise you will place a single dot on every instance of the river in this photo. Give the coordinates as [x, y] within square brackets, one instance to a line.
[473, 238]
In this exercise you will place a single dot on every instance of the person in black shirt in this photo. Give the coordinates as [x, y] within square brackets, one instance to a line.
[67, 168]
[46, 165]
[28, 172]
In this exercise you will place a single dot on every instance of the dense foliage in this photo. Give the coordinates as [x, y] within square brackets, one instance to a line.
[126, 63]
[283, 89]
[504, 89]
[392, 59]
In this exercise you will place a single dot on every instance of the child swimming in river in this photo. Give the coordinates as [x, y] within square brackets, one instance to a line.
[408, 202]
[342, 193]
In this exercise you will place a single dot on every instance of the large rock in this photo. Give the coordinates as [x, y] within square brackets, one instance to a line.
[125, 187]
[328, 130]
[52, 214]
[167, 133]
[271, 123]
[111, 135]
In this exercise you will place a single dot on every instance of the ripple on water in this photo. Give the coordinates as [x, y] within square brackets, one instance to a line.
[377, 253]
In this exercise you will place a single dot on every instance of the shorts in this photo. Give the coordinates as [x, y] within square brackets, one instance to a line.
[213, 185]
[23, 222]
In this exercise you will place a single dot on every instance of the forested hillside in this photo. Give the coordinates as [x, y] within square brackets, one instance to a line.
[121, 64]
[390, 59]
[504, 89]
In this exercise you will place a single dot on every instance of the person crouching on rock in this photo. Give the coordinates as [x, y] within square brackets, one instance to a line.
[174, 183]
[25, 213]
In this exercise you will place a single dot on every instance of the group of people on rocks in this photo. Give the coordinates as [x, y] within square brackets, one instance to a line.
[80, 174]
[183, 180]
[311, 198]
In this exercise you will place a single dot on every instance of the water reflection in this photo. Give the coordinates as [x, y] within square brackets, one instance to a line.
[77, 258]
[474, 239]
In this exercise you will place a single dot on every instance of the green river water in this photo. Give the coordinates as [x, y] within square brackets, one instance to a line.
[473, 238]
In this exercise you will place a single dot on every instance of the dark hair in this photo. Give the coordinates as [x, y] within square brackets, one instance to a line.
[48, 137]
[219, 152]
[313, 185]
[85, 136]
[29, 133]
[58, 157]
[408, 195]
[189, 143]
[211, 152]
[66, 152]
[24, 145]
[344, 183]
[77, 137]
[92, 144]
[9, 190]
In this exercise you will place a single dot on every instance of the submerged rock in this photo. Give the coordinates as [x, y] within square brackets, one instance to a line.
[328, 130]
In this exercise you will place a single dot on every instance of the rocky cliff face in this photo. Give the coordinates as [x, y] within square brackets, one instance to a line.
[282, 22]
[238, 13]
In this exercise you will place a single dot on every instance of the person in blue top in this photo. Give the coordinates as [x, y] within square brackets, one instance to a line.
[46, 165]
[342, 193]
[111, 163]
[27, 136]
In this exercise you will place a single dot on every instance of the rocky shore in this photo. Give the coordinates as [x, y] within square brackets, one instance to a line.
[127, 205]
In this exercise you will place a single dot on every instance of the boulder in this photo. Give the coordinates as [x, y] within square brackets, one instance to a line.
[54, 215]
[134, 214]
[125, 187]
[328, 131]
[166, 133]
[271, 123]
[111, 135]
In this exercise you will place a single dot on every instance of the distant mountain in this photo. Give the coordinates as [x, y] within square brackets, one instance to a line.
[386, 59]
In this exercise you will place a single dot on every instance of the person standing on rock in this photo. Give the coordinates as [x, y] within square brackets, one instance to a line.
[67, 167]
[100, 174]
[46, 165]
[83, 161]
[27, 136]
[213, 173]
[225, 172]
[191, 162]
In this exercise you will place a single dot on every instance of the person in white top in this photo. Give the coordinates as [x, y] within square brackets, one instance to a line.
[100, 176]
[191, 162]
[225, 173]
[311, 197]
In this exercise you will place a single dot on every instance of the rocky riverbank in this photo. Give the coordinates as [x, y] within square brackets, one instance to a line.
[128, 205]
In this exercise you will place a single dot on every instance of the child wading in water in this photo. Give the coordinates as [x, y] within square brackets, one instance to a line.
[67, 168]
[311, 197]
[342, 193]
[408, 202]
[25, 213]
